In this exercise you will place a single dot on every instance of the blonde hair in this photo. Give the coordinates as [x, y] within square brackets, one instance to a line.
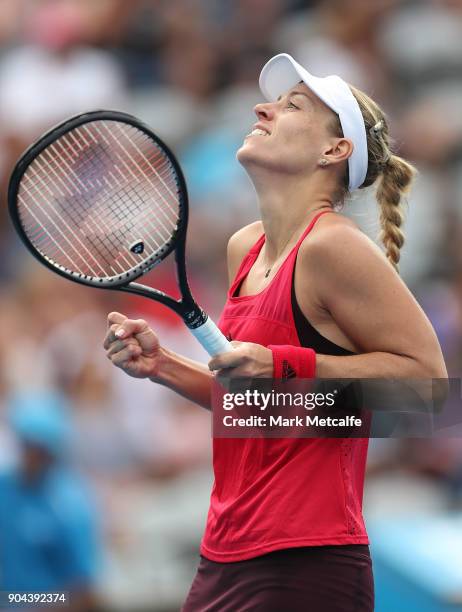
[393, 173]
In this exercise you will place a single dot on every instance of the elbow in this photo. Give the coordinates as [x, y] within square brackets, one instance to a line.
[427, 360]
[440, 389]
[440, 385]
[434, 371]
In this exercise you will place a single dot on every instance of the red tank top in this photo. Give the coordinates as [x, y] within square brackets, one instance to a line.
[276, 493]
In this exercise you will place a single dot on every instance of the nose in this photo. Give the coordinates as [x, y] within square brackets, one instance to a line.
[264, 111]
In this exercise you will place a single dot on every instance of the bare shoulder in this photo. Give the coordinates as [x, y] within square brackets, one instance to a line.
[240, 243]
[337, 243]
[247, 233]
[340, 262]
[328, 227]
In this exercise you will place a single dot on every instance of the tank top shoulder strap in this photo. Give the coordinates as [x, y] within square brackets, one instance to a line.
[309, 228]
[280, 289]
[246, 263]
[252, 255]
[289, 263]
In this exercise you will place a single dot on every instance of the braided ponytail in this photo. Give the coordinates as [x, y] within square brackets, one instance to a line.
[393, 174]
[394, 182]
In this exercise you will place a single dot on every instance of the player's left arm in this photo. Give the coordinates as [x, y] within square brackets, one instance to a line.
[348, 276]
[373, 307]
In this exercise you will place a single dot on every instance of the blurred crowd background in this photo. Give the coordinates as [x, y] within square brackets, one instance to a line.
[118, 517]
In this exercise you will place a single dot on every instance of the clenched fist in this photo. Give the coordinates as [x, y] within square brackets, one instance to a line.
[132, 346]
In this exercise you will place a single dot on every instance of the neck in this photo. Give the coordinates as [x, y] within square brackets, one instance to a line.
[286, 206]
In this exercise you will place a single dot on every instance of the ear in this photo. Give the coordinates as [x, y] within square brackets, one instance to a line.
[339, 150]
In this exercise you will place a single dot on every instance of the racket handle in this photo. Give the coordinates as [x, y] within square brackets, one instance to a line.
[211, 338]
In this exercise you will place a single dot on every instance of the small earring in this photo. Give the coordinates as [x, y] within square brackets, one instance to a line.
[323, 162]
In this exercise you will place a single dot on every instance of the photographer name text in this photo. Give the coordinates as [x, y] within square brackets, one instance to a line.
[297, 421]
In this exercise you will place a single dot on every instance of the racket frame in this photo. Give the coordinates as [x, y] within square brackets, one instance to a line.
[186, 307]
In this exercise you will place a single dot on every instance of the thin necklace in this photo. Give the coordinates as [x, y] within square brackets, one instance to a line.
[268, 270]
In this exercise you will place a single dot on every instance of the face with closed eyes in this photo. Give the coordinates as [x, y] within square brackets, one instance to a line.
[291, 135]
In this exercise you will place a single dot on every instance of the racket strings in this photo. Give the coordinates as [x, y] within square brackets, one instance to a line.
[46, 226]
[123, 208]
[126, 202]
[92, 229]
[114, 199]
[148, 163]
[66, 231]
[119, 204]
[93, 193]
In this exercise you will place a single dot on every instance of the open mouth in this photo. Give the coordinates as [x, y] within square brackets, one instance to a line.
[258, 132]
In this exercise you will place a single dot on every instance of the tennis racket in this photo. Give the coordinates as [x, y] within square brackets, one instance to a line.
[101, 200]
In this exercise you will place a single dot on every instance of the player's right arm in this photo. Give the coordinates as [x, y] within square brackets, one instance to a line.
[134, 347]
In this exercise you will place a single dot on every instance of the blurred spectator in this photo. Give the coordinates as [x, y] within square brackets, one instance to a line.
[423, 43]
[50, 74]
[47, 519]
[10, 20]
[341, 37]
[55, 70]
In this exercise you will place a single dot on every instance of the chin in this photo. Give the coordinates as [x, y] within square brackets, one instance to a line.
[246, 155]
[255, 161]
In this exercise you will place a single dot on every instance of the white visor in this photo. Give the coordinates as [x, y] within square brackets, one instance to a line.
[282, 72]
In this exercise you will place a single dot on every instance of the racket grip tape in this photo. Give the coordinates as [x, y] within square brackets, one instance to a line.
[211, 338]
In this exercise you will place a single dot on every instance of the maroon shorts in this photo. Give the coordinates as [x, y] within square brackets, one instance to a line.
[308, 579]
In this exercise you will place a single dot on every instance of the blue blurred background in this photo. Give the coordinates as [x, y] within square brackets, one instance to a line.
[104, 480]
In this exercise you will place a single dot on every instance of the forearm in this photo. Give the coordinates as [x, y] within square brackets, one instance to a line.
[408, 385]
[371, 365]
[188, 378]
[421, 382]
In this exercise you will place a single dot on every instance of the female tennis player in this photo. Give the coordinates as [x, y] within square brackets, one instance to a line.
[310, 296]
